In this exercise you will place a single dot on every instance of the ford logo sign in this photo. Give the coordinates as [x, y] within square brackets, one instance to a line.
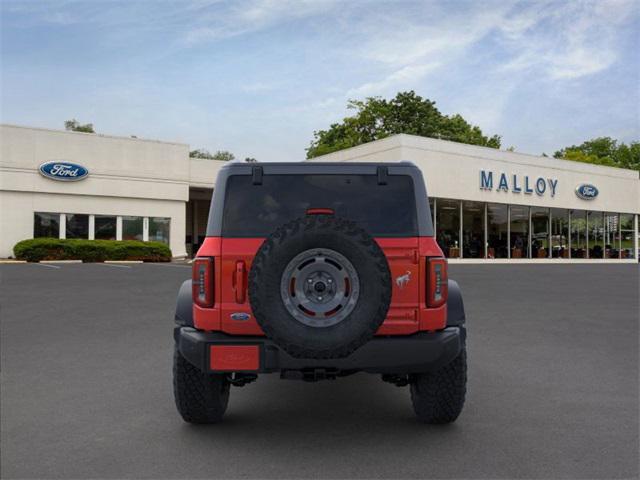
[586, 191]
[240, 316]
[63, 171]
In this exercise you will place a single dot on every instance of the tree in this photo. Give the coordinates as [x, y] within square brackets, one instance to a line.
[223, 155]
[377, 118]
[250, 160]
[75, 126]
[604, 151]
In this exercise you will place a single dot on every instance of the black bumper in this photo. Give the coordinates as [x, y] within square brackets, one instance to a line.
[416, 353]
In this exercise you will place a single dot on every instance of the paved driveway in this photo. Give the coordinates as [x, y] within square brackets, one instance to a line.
[86, 386]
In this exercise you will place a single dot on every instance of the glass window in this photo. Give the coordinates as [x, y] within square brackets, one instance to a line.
[77, 226]
[159, 229]
[472, 230]
[611, 236]
[626, 237]
[596, 235]
[559, 233]
[132, 228]
[257, 210]
[105, 227]
[519, 231]
[46, 225]
[497, 229]
[448, 233]
[539, 232]
[578, 234]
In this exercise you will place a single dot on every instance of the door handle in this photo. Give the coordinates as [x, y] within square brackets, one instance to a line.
[240, 282]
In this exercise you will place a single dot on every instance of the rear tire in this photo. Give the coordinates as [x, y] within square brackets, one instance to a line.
[200, 397]
[438, 397]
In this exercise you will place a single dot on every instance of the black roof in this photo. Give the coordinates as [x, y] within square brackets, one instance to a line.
[292, 168]
[312, 163]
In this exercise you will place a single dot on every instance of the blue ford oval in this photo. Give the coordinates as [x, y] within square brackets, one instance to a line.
[586, 191]
[63, 171]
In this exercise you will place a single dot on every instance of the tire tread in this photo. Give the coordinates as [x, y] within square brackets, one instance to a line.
[438, 397]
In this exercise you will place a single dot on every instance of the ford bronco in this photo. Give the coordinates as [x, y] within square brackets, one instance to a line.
[318, 271]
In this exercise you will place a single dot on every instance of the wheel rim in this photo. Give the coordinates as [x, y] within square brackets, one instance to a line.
[320, 287]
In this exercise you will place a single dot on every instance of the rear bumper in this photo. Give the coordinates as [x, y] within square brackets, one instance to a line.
[416, 353]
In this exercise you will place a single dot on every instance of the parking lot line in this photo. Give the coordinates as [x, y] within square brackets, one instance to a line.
[47, 265]
[113, 265]
[170, 265]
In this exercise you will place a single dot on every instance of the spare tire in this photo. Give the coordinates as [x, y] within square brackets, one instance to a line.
[320, 287]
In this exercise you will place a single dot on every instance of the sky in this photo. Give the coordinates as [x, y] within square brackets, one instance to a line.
[258, 77]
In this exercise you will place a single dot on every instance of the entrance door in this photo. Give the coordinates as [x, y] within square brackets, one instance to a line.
[197, 217]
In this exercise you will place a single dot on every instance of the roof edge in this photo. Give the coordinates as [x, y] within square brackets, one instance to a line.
[102, 135]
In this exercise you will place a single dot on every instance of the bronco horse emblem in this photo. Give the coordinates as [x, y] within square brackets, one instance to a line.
[402, 280]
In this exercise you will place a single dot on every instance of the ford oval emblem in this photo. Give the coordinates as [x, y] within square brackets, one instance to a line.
[63, 171]
[586, 191]
[240, 316]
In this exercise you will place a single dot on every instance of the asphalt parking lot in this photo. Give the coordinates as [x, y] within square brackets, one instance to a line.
[86, 386]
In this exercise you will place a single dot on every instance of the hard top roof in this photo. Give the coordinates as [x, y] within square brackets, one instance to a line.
[334, 168]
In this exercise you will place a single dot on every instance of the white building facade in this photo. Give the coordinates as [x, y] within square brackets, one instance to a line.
[500, 206]
[134, 189]
[487, 205]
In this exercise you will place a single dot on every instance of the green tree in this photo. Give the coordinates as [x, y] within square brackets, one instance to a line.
[223, 155]
[250, 160]
[377, 118]
[74, 126]
[604, 151]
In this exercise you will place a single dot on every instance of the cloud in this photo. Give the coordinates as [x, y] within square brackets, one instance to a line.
[400, 79]
[247, 17]
[565, 41]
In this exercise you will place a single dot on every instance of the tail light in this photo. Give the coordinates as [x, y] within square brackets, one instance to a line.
[437, 282]
[202, 281]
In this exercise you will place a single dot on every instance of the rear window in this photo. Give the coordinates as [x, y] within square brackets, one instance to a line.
[257, 210]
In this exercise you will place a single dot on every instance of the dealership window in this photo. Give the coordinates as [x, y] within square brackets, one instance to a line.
[448, 229]
[497, 231]
[432, 210]
[539, 232]
[611, 235]
[46, 225]
[559, 233]
[595, 236]
[578, 234]
[105, 227]
[519, 231]
[626, 236]
[132, 228]
[159, 229]
[473, 230]
[77, 226]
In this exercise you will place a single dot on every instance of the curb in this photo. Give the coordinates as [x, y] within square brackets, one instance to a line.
[540, 261]
[8, 262]
[60, 261]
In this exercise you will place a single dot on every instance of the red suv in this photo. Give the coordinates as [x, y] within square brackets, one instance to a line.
[318, 271]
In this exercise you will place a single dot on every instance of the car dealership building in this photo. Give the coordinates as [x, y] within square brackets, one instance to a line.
[487, 205]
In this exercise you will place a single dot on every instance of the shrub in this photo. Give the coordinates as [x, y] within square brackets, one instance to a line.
[36, 249]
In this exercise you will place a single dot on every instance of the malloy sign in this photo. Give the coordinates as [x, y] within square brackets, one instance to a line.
[514, 183]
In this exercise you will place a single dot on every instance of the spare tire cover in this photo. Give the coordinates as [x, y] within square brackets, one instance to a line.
[320, 287]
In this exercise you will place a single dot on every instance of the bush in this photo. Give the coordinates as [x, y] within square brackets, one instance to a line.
[37, 249]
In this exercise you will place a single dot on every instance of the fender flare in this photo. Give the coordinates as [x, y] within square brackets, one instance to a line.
[184, 305]
[455, 305]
